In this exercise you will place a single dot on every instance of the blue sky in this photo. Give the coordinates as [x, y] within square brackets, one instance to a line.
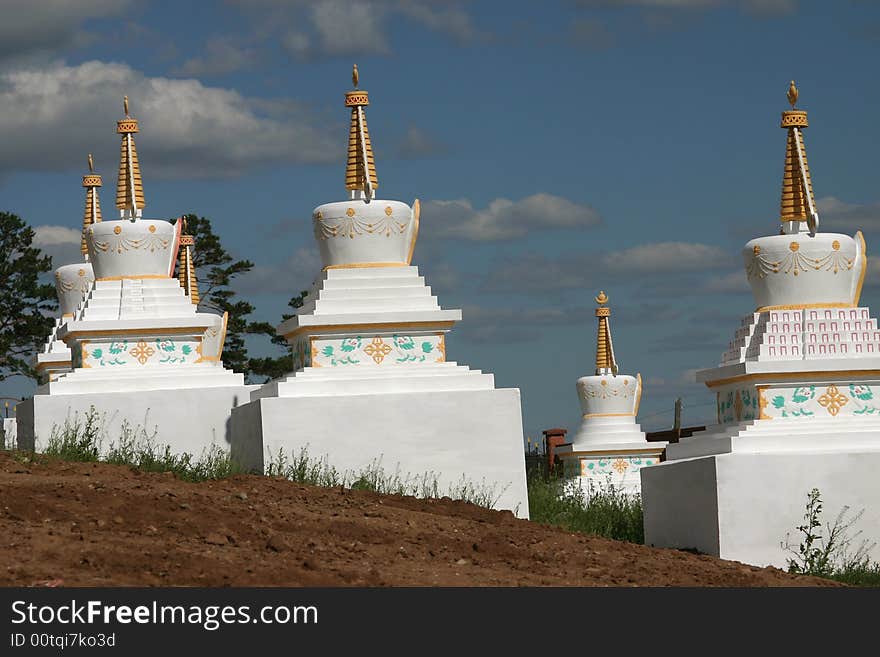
[558, 148]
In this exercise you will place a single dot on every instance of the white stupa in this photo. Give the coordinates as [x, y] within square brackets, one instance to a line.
[72, 284]
[372, 379]
[609, 448]
[798, 395]
[141, 352]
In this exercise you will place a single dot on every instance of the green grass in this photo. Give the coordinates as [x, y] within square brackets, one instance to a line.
[605, 511]
[81, 439]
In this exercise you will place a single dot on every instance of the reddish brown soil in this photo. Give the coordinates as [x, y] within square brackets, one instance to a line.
[83, 524]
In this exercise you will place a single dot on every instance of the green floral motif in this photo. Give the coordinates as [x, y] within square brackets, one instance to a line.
[351, 344]
[799, 396]
[165, 345]
[405, 342]
[861, 392]
[327, 351]
[186, 349]
[427, 347]
[118, 348]
[97, 353]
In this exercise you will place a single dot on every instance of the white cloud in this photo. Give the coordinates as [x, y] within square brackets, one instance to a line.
[60, 242]
[733, 282]
[665, 257]
[287, 277]
[54, 115]
[849, 217]
[327, 28]
[538, 273]
[503, 219]
[49, 26]
[53, 235]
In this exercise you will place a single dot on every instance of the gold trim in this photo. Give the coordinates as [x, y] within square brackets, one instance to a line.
[791, 376]
[858, 294]
[639, 396]
[84, 354]
[762, 403]
[371, 328]
[219, 356]
[313, 349]
[359, 265]
[804, 306]
[124, 278]
[67, 316]
[416, 210]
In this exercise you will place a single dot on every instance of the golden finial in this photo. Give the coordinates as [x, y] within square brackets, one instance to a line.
[354, 76]
[91, 164]
[125, 105]
[792, 94]
[602, 299]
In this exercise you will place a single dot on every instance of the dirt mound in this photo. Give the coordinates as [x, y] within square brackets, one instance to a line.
[85, 524]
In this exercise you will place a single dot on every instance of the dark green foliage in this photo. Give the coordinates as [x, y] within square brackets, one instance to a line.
[269, 367]
[25, 303]
[607, 512]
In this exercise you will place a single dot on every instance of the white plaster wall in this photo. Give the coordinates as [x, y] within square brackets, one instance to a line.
[189, 420]
[756, 499]
[476, 434]
[8, 439]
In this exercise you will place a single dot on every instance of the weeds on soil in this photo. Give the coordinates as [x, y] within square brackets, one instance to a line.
[829, 552]
[602, 511]
[82, 438]
[303, 468]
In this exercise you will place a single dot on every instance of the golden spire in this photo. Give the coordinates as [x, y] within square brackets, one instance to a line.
[798, 203]
[605, 363]
[186, 272]
[360, 172]
[92, 214]
[129, 186]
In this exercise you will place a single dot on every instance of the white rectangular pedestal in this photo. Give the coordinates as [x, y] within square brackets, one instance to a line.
[472, 433]
[740, 506]
[188, 419]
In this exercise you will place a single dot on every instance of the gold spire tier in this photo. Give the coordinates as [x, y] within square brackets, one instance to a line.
[92, 214]
[360, 151]
[605, 362]
[798, 202]
[129, 186]
[186, 271]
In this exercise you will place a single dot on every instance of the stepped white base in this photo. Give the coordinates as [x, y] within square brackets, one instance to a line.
[188, 419]
[741, 505]
[475, 434]
[608, 451]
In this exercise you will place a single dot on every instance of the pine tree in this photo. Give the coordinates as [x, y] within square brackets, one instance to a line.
[26, 304]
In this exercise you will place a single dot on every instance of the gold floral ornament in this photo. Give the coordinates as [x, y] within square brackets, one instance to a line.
[833, 400]
[377, 350]
[142, 352]
[620, 465]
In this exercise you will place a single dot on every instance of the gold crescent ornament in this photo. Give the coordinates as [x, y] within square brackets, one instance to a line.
[602, 298]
